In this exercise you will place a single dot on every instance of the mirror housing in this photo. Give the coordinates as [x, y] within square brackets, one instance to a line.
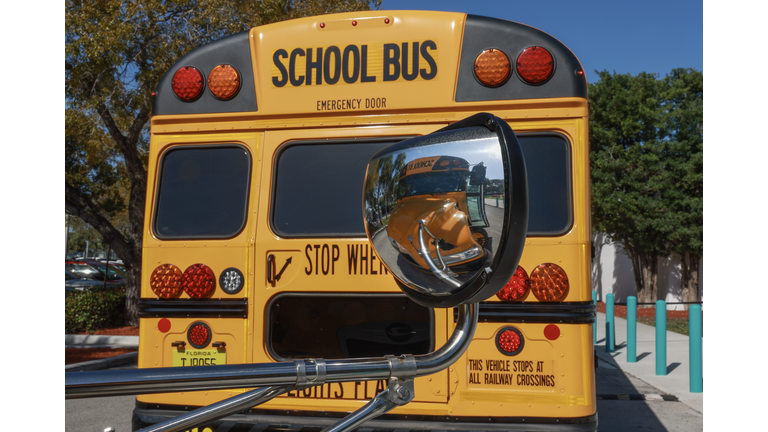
[426, 216]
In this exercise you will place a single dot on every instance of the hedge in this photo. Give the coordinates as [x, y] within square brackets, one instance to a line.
[88, 311]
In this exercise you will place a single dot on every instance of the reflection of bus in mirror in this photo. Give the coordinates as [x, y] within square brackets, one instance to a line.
[440, 190]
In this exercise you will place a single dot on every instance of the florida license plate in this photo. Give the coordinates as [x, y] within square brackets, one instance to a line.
[198, 357]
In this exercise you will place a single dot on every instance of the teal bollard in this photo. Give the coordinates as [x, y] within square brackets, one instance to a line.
[632, 329]
[594, 325]
[497, 201]
[694, 347]
[661, 338]
[609, 324]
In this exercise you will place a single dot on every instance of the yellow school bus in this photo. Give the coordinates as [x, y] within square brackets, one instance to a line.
[255, 246]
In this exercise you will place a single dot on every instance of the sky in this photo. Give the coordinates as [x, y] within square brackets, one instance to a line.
[621, 36]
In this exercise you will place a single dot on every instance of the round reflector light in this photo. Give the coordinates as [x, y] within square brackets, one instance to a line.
[199, 335]
[224, 82]
[492, 67]
[231, 280]
[187, 83]
[549, 282]
[551, 332]
[198, 281]
[535, 65]
[165, 281]
[509, 341]
[516, 288]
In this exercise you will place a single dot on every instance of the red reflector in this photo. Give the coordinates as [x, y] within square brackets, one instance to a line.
[187, 83]
[535, 65]
[165, 281]
[549, 282]
[516, 288]
[164, 325]
[551, 332]
[509, 341]
[198, 281]
[199, 335]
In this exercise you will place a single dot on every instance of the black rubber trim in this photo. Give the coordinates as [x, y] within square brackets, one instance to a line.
[538, 313]
[233, 50]
[481, 33]
[273, 420]
[193, 308]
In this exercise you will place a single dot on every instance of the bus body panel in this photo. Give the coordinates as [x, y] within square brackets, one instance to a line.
[554, 380]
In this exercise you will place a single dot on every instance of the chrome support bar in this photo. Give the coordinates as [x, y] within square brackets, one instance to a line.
[171, 379]
[218, 410]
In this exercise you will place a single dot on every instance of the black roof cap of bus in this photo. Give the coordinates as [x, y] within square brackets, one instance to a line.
[232, 50]
[481, 33]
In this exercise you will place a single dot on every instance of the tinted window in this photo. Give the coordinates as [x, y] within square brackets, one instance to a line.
[319, 189]
[203, 192]
[347, 326]
[548, 161]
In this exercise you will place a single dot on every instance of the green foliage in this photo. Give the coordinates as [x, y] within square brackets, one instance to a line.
[646, 154]
[93, 310]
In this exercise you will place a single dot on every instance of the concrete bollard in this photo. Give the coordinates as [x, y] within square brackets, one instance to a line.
[609, 324]
[594, 325]
[694, 348]
[661, 338]
[632, 329]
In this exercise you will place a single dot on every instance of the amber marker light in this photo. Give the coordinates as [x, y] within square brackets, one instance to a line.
[198, 281]
[535, 65]
[492, 67]
[224, 82]
[549, 282]
[165, 281]
[187, 83]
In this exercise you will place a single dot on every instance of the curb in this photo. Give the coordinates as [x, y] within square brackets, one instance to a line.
[93, 340]
[103, 363]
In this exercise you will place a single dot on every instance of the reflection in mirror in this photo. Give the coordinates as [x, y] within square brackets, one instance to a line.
[426, 211]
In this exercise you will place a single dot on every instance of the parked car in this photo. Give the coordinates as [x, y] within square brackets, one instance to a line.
[73, 282]
[84, 270]
[115, 271]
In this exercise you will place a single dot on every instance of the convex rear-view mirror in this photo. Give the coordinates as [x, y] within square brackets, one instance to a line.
[435, 230]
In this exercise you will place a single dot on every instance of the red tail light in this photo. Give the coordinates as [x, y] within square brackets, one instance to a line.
[535, 65]
[549, 282]
[510, 341]
[199, 335]
[166, 281]
[187, 83]
[198, 281]
[516, 288]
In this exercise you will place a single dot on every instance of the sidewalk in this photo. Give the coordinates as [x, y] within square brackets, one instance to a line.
[677, 380]
[97, 341]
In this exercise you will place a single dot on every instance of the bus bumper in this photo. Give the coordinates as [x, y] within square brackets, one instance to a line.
[268, 420]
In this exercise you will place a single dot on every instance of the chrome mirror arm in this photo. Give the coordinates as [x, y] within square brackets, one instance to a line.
[446, 276]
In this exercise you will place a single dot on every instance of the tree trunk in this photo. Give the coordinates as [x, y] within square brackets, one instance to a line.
[645, 267]
[689, 277]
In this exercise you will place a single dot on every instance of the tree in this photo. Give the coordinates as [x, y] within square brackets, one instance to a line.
[115, 54]
[628, 173]
[684, 110]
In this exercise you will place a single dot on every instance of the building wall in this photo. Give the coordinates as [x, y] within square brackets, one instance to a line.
[612, 273]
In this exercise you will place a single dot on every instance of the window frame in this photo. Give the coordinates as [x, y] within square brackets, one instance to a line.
[158, 189]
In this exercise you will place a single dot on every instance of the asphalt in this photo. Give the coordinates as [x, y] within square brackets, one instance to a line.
[676, 382]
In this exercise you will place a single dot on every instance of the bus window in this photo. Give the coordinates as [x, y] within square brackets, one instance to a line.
[328, 204]
[202, 192]
[548, 161]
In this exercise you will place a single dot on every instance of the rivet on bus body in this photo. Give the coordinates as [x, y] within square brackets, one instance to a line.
[562, 390]
[562, 355]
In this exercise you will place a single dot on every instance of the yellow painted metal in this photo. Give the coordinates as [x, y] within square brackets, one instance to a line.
[296, 113]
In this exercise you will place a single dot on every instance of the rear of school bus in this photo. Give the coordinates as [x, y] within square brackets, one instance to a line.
[255, 247]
